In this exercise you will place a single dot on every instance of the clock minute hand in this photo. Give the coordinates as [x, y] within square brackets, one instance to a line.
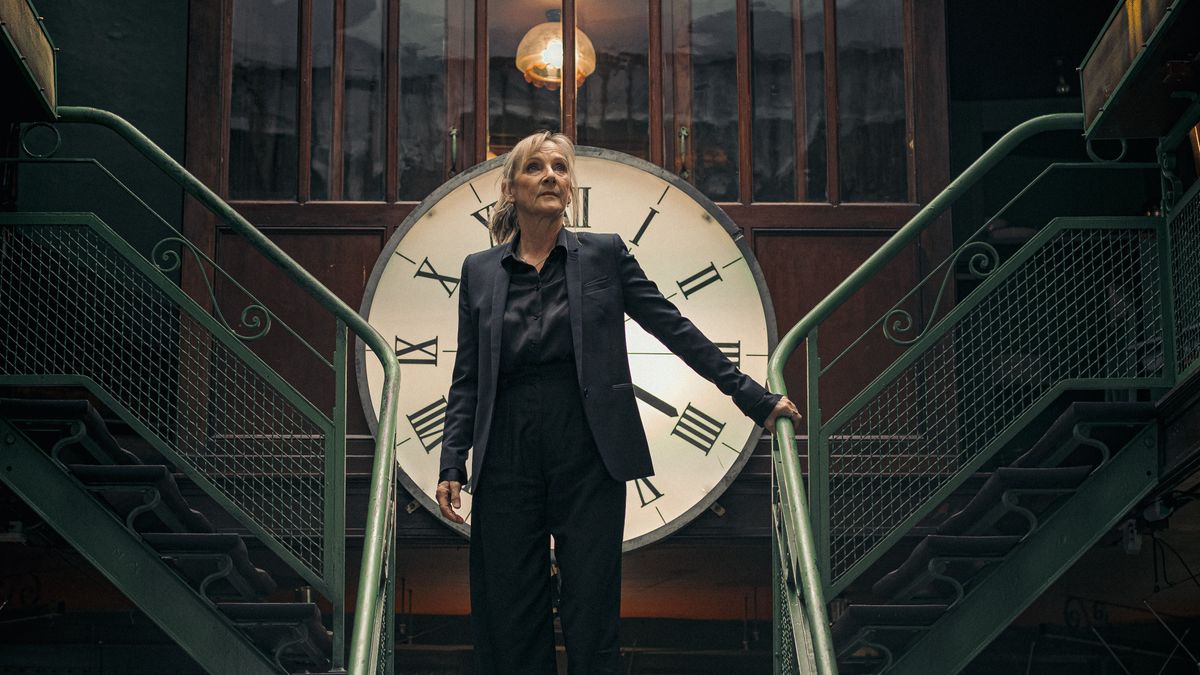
[655, 402]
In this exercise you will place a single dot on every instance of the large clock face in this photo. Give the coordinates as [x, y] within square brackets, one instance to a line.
[689, 247]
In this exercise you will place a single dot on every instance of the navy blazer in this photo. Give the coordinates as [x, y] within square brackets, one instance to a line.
[604, 283]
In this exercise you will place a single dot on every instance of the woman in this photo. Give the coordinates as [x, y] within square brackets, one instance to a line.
[541, 389]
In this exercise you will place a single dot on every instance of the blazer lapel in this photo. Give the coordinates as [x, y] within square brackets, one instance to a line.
[496, 320]
[575, 299]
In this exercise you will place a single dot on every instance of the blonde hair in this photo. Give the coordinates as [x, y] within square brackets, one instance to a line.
[503, 220]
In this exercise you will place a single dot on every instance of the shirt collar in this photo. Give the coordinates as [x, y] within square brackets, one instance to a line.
[510, 251]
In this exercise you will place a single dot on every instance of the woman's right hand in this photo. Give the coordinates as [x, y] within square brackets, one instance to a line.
[448, 500]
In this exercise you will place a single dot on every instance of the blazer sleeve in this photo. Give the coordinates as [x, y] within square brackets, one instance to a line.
[460, 408]
[647, 306]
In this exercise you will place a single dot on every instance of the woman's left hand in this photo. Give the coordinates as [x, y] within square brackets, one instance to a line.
[784, 407]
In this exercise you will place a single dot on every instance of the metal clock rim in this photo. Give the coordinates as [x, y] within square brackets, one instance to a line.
[731, 228]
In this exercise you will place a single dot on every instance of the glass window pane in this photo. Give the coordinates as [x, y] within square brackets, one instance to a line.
[516, 108]
[322, 97]
[612, 106]
[700, 108]
[437, 76]
[422, 98]
[872, 123]
[263, 145]
[460, 90]
[364, 113]
[781, 44]
[812, 37]
[774, 102]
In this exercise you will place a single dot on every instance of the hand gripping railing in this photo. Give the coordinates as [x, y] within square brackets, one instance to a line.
[376, 544]
[795, 512]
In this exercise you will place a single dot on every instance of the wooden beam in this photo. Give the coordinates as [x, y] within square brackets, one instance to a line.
[655, 79]
[304, 123]
[567, 106]
[481, 81]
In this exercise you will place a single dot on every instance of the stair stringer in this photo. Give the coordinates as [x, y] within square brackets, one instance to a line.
[120, 555]
[1014, 583]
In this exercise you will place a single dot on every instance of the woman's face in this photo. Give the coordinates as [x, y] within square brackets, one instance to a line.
[542, 186]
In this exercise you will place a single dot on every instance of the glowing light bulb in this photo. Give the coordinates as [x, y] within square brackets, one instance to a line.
[552, 55]
[540, 55]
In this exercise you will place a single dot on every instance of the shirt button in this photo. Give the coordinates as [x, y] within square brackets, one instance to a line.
[536, 317]
[585, 392]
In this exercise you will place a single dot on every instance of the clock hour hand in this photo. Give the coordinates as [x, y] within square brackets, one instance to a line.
[655, 402]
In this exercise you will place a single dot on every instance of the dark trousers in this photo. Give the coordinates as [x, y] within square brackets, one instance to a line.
[543, 475]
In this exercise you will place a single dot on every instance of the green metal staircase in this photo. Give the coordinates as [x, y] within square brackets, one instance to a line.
[222, 636]
[1028, 385]
[82, 311]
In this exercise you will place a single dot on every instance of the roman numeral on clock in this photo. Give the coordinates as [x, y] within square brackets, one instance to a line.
[429, 423]
[698, 428]
[731, 350]
[417, 353]
[637, 238]
[428, 271]
[483, 213]
[582, 194]
[699, 280]
[647, 493]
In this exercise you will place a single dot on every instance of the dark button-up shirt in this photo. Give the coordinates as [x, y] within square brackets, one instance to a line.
[537, 317]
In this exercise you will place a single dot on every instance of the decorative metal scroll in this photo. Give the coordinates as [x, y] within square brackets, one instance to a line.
[983, 260]
[253, 317]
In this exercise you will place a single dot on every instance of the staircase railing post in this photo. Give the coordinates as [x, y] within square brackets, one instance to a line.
[818, 460]
[389, 639]
[335, 499]
[1166, 292]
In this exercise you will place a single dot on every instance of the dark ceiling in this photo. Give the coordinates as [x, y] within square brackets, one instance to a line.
[1012, 49]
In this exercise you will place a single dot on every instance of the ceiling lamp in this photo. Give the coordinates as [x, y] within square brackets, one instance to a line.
[540, 54]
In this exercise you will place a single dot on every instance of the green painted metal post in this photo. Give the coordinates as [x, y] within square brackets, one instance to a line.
[335, 499]
[389, 640]
[1172, 187]
[818, 462]
[1166, 291]
[803, 557]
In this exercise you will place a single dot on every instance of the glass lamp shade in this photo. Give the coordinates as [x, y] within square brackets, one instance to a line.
[540, 55]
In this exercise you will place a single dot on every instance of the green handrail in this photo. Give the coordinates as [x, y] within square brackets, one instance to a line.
[794, 504]
[382, 473]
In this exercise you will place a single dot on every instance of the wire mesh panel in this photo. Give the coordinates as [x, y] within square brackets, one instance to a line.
[71, 305]
[1185, 275]
[1083, 306]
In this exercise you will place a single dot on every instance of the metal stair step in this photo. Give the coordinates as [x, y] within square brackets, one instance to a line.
[863, 621]
[194, 554]
[1059, 440]
[944, 560]
[124, 558]
[291, 631]
[101, 443]
[1006, 484]
[123, 486]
